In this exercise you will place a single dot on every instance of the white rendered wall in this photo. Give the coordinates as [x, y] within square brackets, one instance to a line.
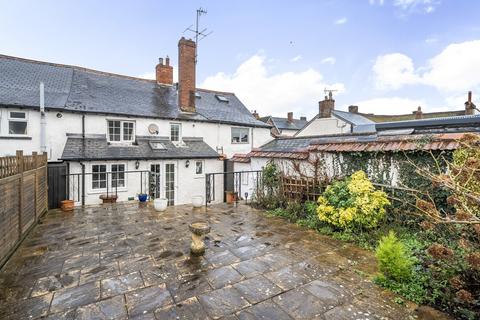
[215, 135]
[324, 126]
[249, 180]
[187, 183]
[288, 133]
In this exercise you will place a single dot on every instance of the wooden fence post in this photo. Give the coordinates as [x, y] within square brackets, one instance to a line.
[19, 155]
[35, 187]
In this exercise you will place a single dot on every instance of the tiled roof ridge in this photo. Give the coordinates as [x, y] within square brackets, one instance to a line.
[406, 114]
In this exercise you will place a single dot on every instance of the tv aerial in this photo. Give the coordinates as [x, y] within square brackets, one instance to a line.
[199, 34]
[330, 92]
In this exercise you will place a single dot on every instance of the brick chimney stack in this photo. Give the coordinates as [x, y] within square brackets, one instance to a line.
[164, 72]
[418, 113]
[290, 117]
[326, 106]
[186, 75]
[255, 114]
[469, 106]
[353, 109]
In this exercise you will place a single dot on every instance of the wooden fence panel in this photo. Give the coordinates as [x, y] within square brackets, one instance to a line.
[301, 189]
[23, 198]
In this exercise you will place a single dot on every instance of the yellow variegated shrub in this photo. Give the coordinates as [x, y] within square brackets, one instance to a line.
[352, 202]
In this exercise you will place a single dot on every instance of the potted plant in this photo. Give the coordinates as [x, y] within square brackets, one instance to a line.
[160, 204]
[197, 201]
[142, 197]
[67, 205]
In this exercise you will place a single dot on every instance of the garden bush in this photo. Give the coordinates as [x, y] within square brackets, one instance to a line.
[352, 203]
[394, 261]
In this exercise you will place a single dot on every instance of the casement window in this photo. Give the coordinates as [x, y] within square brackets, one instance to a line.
[118, 175]
[198, 167]
[175, 132]
[17, 122]
[121, 131]
[115, 178]
[99, 176]
[240, 135]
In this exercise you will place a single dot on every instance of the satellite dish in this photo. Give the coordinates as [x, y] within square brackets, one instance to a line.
[153, 128]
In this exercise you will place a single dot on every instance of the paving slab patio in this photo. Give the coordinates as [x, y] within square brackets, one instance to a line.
[122, 261]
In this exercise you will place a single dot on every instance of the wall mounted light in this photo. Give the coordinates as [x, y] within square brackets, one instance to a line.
[137, 164]
[59, 115]
[187, 163]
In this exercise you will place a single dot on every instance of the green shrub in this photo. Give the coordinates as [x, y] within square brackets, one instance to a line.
[394, 260]
[352, 203]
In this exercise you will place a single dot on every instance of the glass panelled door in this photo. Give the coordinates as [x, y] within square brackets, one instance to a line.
[170, 183]
[155, 180]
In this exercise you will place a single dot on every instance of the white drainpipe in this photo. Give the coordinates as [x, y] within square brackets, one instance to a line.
[43, 120]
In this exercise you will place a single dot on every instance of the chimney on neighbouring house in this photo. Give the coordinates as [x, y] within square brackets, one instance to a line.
[290, 117]
[418, 113]
[255, 114]
[469, 106]
[326, 106]
[164, 72]
[353, 109]
[186, 75]
[303, 118]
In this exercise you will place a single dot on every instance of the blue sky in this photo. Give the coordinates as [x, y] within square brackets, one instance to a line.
[386, 56]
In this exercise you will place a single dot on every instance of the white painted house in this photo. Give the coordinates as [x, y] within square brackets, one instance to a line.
[109, 125]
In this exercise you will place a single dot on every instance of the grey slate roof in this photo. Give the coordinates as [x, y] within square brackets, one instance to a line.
[352, 118]
[96, 147]
[283, 124]
[286, 144]
[70, 88]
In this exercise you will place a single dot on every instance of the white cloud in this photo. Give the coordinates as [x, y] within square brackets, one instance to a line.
[341, 20]
[453, 70]
[296, 58]
[426, 6]
[329, 60]
[392, 105]
[273, 93]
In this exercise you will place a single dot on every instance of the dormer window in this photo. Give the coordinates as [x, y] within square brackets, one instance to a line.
[121, 131]
[175, 132]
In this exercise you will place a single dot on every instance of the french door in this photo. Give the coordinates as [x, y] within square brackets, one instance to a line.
[155, 180]
[170, 193]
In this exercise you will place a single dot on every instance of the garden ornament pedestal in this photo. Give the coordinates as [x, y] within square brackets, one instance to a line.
[198, 230]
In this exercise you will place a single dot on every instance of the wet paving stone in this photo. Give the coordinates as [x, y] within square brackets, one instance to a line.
[121, 284]
[110, 261]
[75, 297]
[257, 289]
[113, 308]
[26, 309]
[143, 301]
[52, 283]
[223, 302]
[219, 278]
[300, 304]
[189, 309]
[264, 310]
[286, 278]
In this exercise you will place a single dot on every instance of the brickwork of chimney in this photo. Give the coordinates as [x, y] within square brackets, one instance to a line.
[469, 106]
[186, 75]
[164, 72]
[290, 117]
[353, 109]
[326, 107]
[255, 114]
[418, 113]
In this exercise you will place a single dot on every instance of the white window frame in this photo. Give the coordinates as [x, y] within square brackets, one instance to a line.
[10, 119]
[117, 172]
[122, 130]
[179, 131]
[109, 178]
[99, 188]
[203, 167]
[240, 138]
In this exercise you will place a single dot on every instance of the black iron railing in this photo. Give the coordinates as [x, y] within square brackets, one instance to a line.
[241, 183]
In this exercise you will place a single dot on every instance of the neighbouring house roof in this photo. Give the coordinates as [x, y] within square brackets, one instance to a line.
[76, 89]
[411, 116]
[240, 157]
[462, 122]
[352, 118]
[96, 147]
[284, 124]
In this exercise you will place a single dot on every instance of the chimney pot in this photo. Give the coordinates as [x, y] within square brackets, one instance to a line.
[303, 118]
[290, 117]
[186, 75]
[353, 109]
[469, 106]
[418, 113]
[160, 61]
[255, 114]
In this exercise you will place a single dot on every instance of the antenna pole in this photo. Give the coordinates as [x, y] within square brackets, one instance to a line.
[198, 32]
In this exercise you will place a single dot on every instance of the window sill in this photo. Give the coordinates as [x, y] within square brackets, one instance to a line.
[110, 191]
[240, 142]
[16, 137]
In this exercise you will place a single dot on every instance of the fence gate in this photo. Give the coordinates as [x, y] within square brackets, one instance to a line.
[57, 184]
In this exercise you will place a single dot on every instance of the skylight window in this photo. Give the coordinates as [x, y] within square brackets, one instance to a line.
[197, 95]
[221, 98]
[156, 145]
